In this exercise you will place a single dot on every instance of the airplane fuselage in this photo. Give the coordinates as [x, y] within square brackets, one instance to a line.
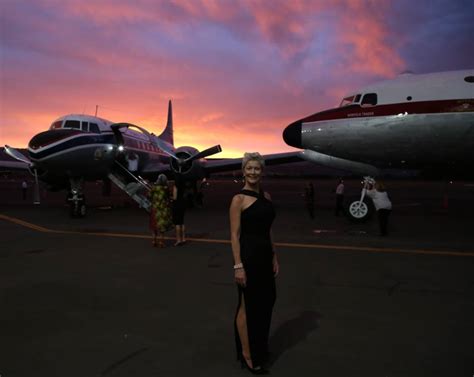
[415, 121]
[62, 153]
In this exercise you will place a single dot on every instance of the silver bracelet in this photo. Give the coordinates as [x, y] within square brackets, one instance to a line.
[238, 266]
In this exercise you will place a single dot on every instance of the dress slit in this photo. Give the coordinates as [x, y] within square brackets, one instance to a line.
[238, 343]
[250, 339]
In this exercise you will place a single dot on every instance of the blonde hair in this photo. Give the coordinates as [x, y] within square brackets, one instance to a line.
[252, 156]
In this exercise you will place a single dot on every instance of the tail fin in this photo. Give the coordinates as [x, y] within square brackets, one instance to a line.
[167, 134]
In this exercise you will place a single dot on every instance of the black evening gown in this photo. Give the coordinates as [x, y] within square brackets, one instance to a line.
[260, 293]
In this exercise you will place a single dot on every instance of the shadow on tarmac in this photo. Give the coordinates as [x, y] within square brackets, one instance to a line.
[292, 332]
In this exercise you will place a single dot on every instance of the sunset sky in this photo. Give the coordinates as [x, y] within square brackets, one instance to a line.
[237, 71]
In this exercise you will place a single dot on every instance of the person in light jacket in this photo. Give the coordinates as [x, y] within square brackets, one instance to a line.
[382, 204]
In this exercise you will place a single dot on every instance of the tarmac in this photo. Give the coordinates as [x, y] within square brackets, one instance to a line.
[92, 297]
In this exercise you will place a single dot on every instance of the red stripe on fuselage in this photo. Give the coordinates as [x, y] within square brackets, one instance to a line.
[425, 107]
[141, 145]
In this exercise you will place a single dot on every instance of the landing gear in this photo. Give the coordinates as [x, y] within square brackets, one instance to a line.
[360, 209]
[77, 207]
[76, 200]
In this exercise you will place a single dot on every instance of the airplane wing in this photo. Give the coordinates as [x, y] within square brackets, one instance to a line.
[9, 163]
[219, 165]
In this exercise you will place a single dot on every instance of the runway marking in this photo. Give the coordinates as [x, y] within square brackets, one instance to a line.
[210, 240]
[24, 223]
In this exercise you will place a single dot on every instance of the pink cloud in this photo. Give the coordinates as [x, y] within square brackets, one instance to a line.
[368, 38]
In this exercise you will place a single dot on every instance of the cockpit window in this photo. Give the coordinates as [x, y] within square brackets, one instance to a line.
[357, 98]
[72, 124]
[346, 101]
[56, 125]
[370, 99]
[93, 127]
[85, 126]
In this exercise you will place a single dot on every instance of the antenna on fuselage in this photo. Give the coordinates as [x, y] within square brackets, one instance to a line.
[96, 110]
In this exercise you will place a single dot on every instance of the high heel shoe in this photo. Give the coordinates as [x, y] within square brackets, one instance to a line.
[254, 370]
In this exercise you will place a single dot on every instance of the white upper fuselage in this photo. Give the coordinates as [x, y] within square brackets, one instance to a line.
[411, 121]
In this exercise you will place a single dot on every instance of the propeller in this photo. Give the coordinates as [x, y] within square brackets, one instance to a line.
[17, 155]
[205, 153]
[186, 162]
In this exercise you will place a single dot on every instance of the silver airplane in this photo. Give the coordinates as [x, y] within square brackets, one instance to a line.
[415, 121]
[79, 148]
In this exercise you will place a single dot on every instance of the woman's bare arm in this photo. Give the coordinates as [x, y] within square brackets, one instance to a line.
[234, 215]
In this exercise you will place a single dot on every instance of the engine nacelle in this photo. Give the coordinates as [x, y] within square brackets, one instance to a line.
[190, 170]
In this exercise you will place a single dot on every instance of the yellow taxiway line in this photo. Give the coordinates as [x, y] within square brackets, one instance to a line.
[210, 240]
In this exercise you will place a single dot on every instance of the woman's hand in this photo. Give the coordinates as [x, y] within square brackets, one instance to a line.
[276, 266]
[240, 277]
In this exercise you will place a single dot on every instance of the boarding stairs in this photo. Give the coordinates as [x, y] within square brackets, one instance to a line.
[134, 186]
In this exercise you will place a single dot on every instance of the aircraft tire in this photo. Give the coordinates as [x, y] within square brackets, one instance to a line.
[78, 211]
[359, 214]
[82, 210]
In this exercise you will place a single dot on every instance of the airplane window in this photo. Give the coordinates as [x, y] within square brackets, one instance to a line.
[369, 99]
[357, 98]
[409, 98]
[346, 101]
[56, 125]
[85, 126]
[72, 124]
[469, 79]
[93, 127]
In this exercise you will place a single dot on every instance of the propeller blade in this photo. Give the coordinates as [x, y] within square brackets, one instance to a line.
[162, 145]
[17, 155]
[205, 153]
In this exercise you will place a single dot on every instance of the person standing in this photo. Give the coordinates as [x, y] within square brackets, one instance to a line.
[132, 162]
[179, 208]
[24, 189]
[255, 266]
[340, 197]
[382, 204]
[160, 215]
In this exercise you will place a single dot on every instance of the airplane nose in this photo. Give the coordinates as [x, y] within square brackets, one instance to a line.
[292, 134]
[47, 137]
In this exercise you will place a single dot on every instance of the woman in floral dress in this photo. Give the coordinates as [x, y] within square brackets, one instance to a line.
[160, 215]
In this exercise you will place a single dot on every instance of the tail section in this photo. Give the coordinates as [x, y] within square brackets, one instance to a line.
[167, 134]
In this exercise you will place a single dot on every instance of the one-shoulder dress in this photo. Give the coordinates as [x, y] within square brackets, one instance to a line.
[257, 256]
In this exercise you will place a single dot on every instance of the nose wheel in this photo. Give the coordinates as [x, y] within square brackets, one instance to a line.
[77, 205]
[76, 200]
[359, 211]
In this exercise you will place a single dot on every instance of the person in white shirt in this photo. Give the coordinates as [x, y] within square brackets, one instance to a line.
[382, 204]
[132, 162]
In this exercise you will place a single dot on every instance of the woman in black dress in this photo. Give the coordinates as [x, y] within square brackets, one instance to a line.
[256, 266]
